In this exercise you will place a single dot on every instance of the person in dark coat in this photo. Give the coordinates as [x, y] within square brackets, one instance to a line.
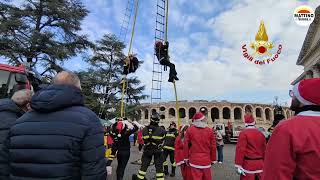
[60, 138]
[10, 111]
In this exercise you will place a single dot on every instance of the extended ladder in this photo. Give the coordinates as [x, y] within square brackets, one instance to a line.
[159, 35]
[126, 21]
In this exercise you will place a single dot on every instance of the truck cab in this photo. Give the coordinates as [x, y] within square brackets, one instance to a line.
[14, 78]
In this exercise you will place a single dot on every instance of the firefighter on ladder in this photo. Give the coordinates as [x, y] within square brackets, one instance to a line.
[131, 64]
[153, 136]
[168, 149]
[161, 51]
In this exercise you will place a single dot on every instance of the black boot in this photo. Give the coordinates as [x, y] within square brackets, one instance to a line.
[170, 79]
[165, 168]
[173, 171]
[176, 78]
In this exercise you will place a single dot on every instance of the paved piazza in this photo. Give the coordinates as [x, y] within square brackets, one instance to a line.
[223, 171]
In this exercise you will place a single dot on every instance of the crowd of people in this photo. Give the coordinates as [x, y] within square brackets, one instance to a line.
[50, 134]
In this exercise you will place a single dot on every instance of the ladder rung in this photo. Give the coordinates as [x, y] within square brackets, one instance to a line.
[157, 72]
[155, 98]
[160, 23]
[156, 80]
[160, 7]
[160, 15]
[157, 38]
[159, 30]
[156, 89]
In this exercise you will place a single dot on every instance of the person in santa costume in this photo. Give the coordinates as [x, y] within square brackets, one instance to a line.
[199, 148]
[250, 151]
[178, 153]
[293, 151]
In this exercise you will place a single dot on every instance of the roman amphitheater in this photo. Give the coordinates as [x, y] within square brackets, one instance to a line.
[218, 112]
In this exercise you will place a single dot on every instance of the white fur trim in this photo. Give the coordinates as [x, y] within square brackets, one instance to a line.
[299, 97]
[309, 113]
[200, 124]
[200, 167]
[199, 119]
[250, 124]
[180, 163]
[248, 171]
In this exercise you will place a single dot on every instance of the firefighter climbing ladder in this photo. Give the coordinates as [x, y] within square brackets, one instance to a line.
[161, 34]
[122, 36]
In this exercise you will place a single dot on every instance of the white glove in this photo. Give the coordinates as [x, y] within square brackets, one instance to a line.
[109, 170]
[129, 125]
[137, 124]
[240, 171]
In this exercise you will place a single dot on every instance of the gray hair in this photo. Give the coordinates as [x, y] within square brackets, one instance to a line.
[67, 78]
[22, 97]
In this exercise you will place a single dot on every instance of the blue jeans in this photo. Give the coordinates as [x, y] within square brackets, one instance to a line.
[220, 153]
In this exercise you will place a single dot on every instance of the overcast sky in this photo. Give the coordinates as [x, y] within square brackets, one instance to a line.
[206, 37]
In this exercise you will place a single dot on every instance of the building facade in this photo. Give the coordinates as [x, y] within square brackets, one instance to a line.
[309, 56]
[218, 112]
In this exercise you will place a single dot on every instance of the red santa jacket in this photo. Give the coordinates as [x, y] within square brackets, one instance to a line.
[178, 151]
[293, 151]
[250, 150]
[109, 140]
[140, 139]
[199, 147]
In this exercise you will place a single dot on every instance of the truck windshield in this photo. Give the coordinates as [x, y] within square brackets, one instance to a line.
[4, 78]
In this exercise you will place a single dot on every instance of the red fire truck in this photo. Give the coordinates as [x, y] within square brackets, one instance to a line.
[16, 78]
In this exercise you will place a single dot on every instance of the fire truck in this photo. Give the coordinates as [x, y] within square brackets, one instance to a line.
[230, 132]
[14, 78]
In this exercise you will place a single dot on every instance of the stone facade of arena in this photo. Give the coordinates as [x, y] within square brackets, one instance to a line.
[310, 51]
[218, 112]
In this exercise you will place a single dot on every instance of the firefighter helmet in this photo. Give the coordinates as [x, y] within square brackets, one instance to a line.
[155, 117]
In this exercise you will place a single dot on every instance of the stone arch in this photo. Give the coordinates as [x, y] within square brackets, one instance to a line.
[153, 111]
[259, 112]
[192, 111]
[226, 113]
[267, 112]
[214, 113]
[139, 114]
[146, 114]
[248, 108]
[237, 113]
[172, 113]
[162, 108]
[182, 112]
[205, 108]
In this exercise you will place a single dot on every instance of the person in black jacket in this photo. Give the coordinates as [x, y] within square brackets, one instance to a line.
[153, 136]
[168, 148]
[161, 51]
[10, 111]
[120, 132]
[60, 138]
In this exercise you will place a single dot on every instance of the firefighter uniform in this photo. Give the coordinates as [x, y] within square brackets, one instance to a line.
[168, 149]
[153, 136]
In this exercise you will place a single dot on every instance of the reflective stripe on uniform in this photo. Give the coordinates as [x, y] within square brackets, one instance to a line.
[140, 177]
[141, 174]
[165, 163]
[111, 159]
[170, 135]
[168, 147]
[174, 164]
[157, 137]
[160, 174]
[153, 137]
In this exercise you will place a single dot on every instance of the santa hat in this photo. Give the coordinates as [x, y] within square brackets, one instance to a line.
[198, 117]
[307, 91]
[198, 120]
[249, 120]
[158, 43]
[119, 128]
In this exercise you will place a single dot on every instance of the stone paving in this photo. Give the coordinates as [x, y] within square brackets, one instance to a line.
[225, 171]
